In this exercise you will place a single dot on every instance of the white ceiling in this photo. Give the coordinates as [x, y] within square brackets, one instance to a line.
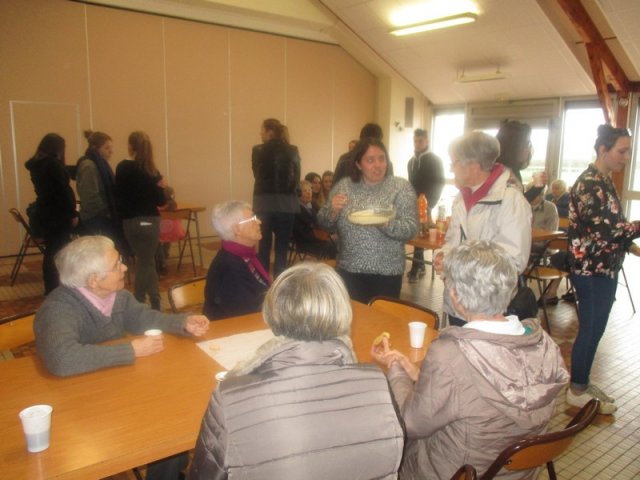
[531, 41]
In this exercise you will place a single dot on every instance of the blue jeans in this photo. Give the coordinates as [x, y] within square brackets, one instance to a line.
[280, 225]
[595, 299]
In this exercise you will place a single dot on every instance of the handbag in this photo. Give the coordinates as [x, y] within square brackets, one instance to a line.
[524, 303]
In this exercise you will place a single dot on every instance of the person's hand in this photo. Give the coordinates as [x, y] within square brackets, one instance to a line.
[145, 346]
[338, 202]
[406, 364]
[540, 179]
[634, 249]
[379, 350]
[438, 262]
[197, 325]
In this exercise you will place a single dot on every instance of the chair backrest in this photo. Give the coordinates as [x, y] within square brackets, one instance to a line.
[537, 450]
[17, 216]
[16, 330]
[563, 222]
[406, 310]
[187, 294]
[465, 472]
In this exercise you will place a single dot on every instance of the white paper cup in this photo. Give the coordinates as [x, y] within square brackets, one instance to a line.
[36, 424]
[220, 376]
[416, 334]
[433, 234]
[153, 332]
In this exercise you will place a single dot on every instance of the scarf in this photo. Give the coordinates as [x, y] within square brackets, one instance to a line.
[108, 179]
[471, 198]
[248, 254]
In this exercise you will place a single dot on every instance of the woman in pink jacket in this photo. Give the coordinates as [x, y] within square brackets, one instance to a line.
[482, 386]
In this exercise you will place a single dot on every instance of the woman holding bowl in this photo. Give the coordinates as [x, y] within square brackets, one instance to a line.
[371, 257]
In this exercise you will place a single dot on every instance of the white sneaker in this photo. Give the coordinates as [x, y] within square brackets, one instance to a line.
[606, 408]
[595, 391]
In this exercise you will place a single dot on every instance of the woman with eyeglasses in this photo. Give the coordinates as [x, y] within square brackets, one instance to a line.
[599, 237]
[237, 281]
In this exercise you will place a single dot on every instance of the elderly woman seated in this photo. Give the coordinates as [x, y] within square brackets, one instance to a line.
[91, 307]
[237, 281]
[302, 407]
[482, 386]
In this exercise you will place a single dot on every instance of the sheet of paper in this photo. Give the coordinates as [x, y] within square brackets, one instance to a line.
[228, 351]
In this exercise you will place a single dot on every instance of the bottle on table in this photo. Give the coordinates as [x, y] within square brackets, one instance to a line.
[423, 214]
[441, 222]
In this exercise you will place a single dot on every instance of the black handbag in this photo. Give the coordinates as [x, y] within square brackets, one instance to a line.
[524, 303]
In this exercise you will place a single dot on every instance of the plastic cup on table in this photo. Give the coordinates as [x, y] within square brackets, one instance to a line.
[36, 424]
[153, 332]
[417, 332]
[433, 234]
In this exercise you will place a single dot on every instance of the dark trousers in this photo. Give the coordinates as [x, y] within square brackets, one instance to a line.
[595, 299]
[362, 287]
[418, 259]
[280, 225]
[143, 236]
[54, 241]
[168, 468]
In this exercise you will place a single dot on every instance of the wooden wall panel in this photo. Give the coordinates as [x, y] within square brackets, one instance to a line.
[257, 91]
[43, 88]
[310, 102]
[355, 88]
[126, 64]
[200, 91]
[197, 75]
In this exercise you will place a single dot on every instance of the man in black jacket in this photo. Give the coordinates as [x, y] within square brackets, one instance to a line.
[427, 176]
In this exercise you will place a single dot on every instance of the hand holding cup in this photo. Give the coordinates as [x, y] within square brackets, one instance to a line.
[152, 342]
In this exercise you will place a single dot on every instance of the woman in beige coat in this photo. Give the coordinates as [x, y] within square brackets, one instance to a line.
[481, 386]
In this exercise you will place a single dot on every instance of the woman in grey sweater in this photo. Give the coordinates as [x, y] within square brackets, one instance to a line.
[371, 258]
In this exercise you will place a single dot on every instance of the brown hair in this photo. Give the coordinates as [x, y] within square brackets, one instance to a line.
[278, 130]
[359, 151]
[141, 147]
[96, 139]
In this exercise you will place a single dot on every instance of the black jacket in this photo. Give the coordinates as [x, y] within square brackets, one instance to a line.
[276, 168]
[231, 289]
[427, 176]
[55, 205]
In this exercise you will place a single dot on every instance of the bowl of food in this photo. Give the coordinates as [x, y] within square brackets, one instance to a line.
[372, 216]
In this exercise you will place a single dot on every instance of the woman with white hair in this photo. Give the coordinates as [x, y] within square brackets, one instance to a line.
[481, 387]
[302, 407]
[237, 280]
[91, 307]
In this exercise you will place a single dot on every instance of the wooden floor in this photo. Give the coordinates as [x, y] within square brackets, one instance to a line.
[610, 448]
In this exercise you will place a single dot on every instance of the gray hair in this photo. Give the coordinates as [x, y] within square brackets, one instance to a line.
[226, 215]
[483, 275]
[475, 146]
[308, 302]
[83, 257]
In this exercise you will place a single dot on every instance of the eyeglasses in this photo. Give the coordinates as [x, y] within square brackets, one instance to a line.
[247, 220]
[117, 266]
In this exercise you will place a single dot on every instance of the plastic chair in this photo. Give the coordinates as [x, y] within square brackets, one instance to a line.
[184, 214]
[537, 450]
[465, 472]
[188, 294]
[406, 310]
[29, 241]
[15, 331]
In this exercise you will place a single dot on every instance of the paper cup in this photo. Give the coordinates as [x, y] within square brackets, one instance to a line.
[36, 424]
[220, 376]
[433, 234]
[153, 332]
[417, 331]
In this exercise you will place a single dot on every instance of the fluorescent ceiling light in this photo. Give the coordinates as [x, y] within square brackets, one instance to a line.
[442, 22]
[480, 77]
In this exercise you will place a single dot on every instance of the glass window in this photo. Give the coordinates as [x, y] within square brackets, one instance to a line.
[578, 136]
[539, 141]
[447, 125]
